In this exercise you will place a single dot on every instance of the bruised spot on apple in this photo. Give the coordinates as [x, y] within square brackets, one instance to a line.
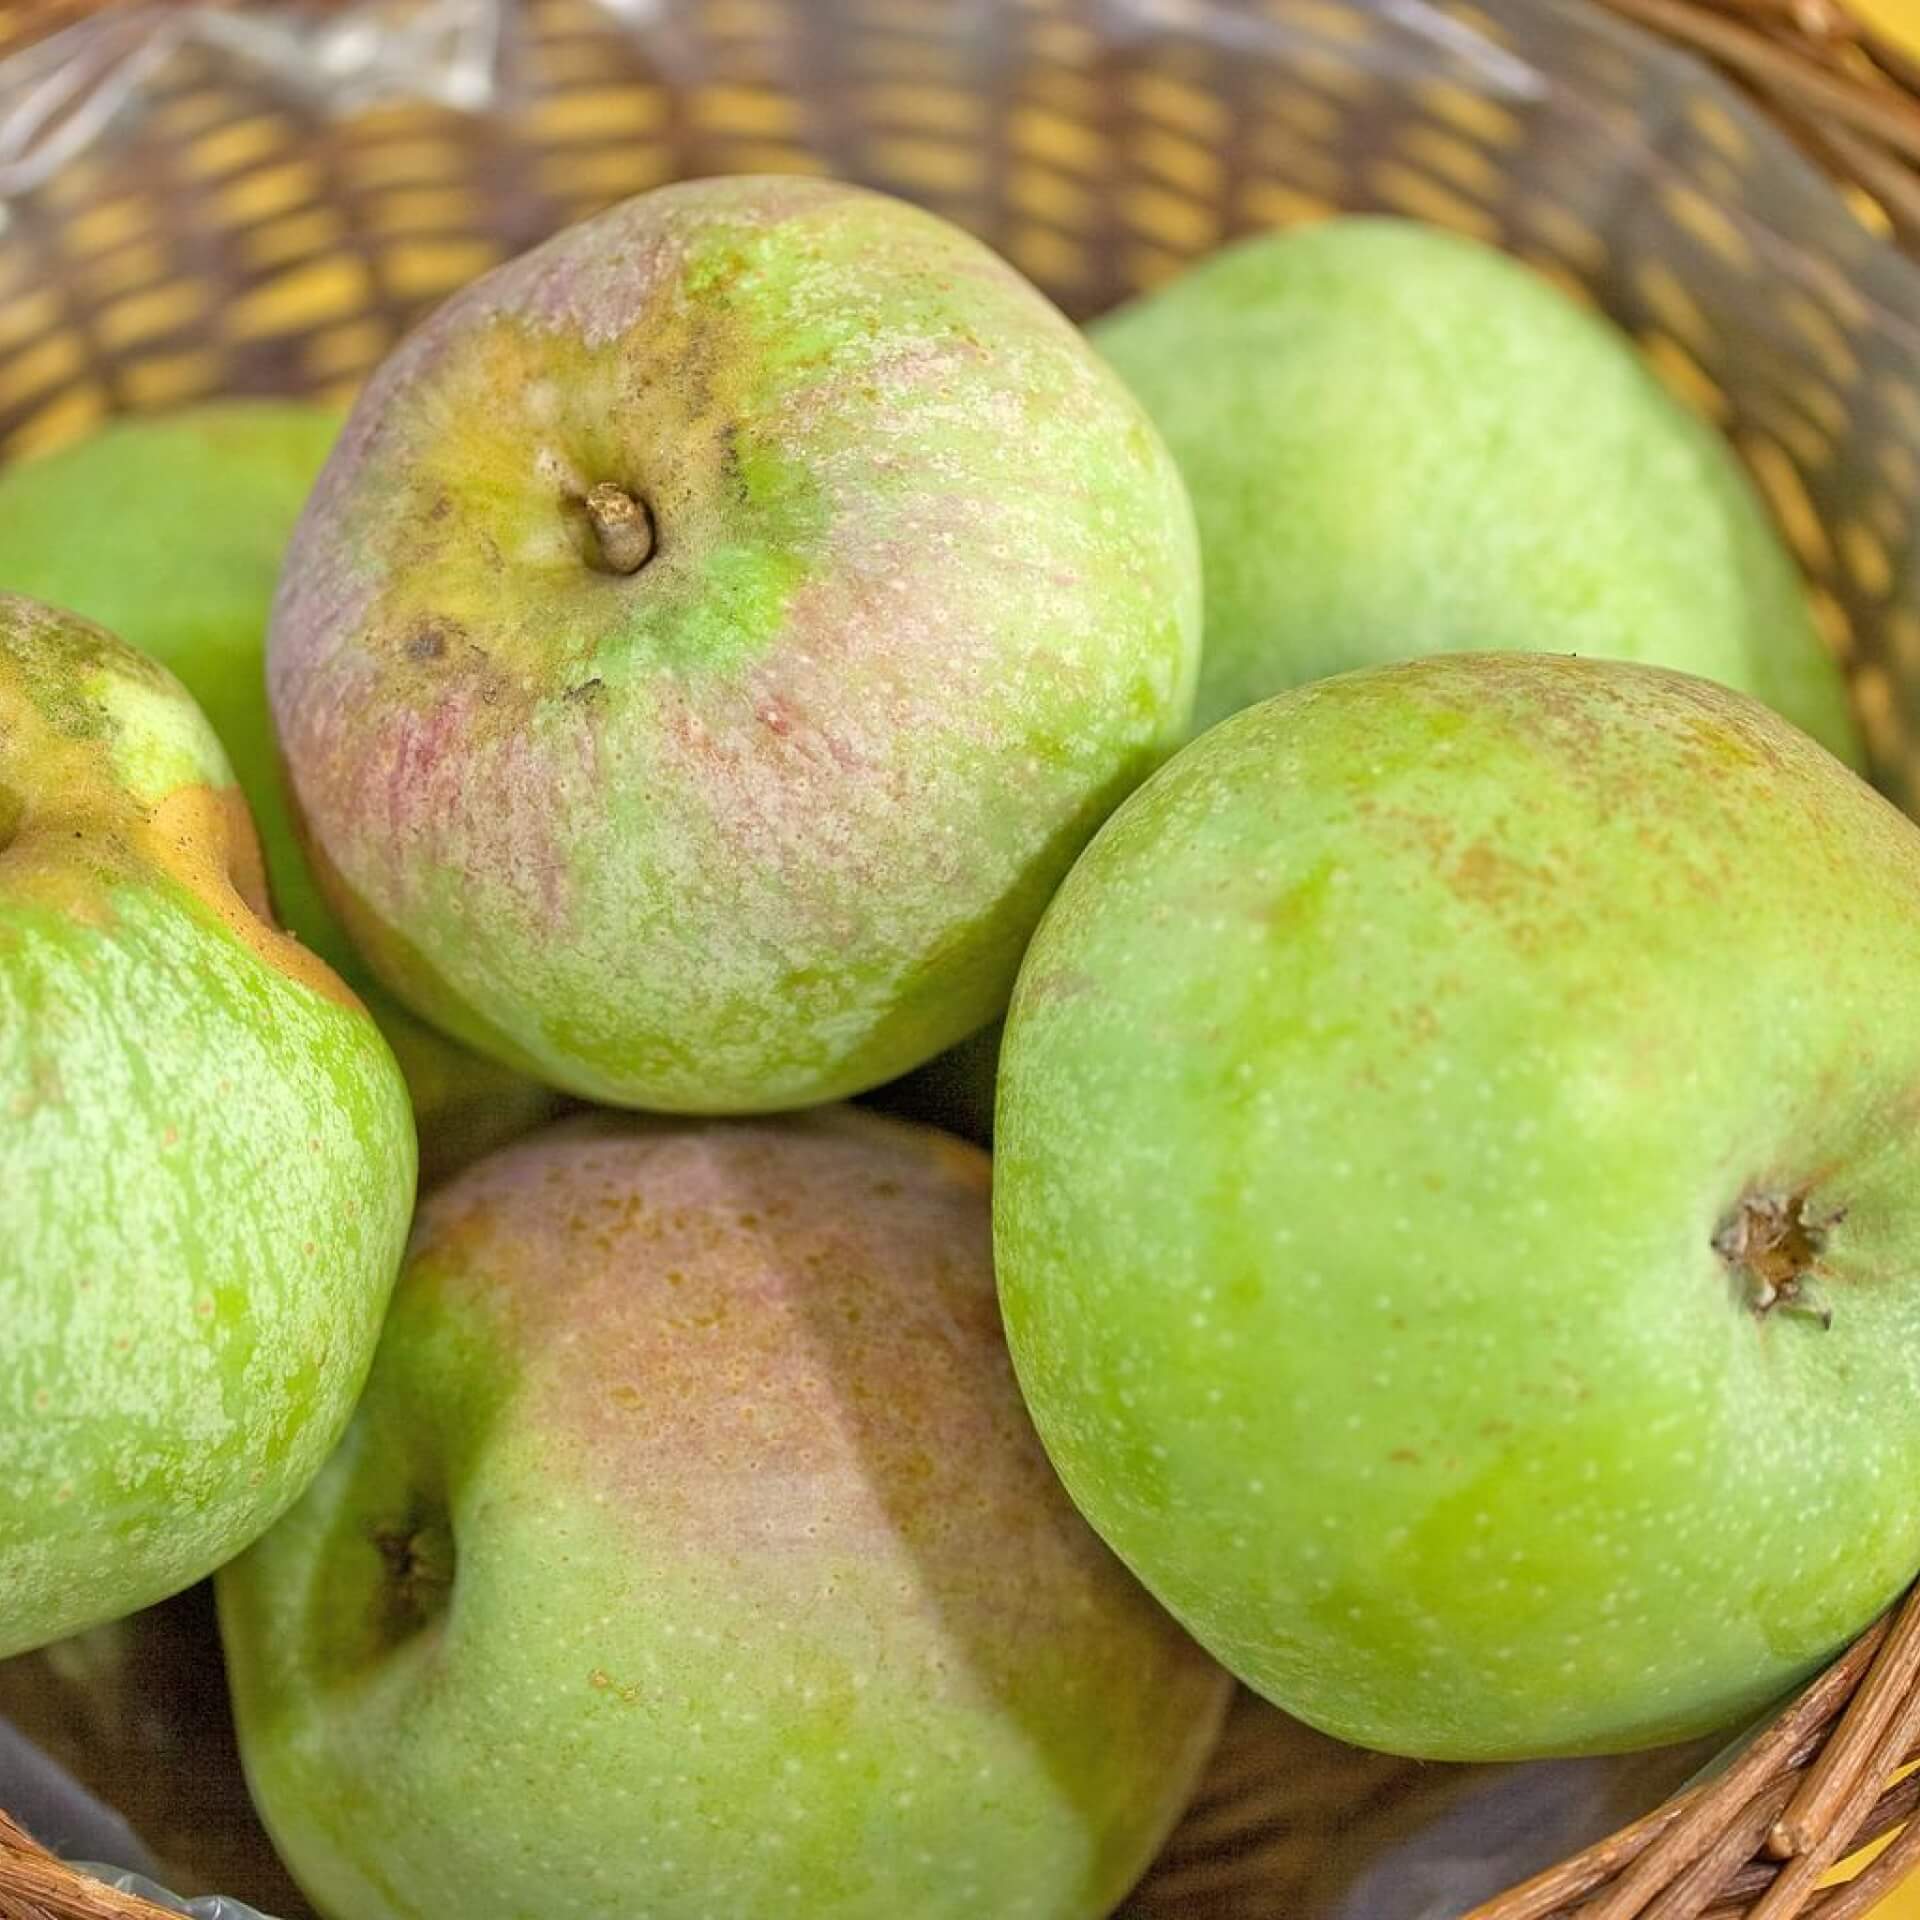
[715, 635]
[692, 1536]
[1455, 1202]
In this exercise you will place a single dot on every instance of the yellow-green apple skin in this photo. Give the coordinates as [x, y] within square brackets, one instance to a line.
[692, 1554]
[206, 1153]
[1437, 1119]
[1398, 441]
[169, 530]
[758, 805]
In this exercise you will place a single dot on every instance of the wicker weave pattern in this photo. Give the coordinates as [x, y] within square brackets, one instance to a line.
[236, 238]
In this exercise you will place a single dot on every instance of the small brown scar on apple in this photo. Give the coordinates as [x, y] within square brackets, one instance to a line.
[1404, 1456]
[43, 1088]
[1777, 1245]
[1066, 983]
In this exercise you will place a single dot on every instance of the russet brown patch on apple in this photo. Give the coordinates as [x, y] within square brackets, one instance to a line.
[1061, 983]
[203, 838]
[764, 1341]
[71, 831]
[1487, 874]
[66, 839]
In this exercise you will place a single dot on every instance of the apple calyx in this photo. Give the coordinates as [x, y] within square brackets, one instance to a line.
[420, 1568]
[1775, 1245]
[622, 528]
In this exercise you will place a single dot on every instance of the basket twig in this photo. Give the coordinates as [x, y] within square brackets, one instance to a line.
[1841, 88]
[1699, 1886]
[1754, 1843]
[35, 1885]
[1886, 115]
[1884, 1700]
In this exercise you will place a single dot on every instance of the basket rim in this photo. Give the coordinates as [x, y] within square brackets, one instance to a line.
[1879, 273]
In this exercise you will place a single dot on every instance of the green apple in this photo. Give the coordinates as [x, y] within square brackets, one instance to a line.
[1458, 1201]
[169, 532]
[715, 636]
[1401, 442]
[691, 1553]
[206, 1155]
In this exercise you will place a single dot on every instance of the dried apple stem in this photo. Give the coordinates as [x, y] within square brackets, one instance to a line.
[622, 526]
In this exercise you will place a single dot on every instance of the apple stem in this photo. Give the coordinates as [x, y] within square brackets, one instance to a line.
[622, 526]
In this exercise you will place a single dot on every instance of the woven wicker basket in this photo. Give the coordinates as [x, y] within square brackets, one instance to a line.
[193, 203]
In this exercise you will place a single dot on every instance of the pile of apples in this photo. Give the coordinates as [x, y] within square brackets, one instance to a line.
[1452, 1257]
